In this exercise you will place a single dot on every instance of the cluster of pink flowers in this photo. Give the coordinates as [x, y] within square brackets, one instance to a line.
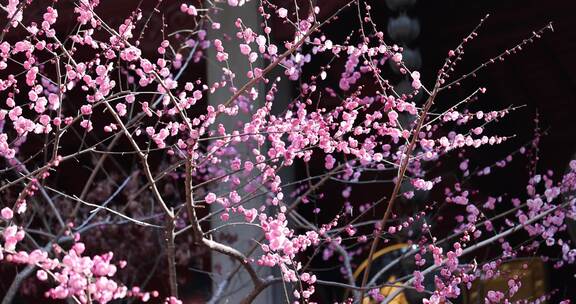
[75, 275]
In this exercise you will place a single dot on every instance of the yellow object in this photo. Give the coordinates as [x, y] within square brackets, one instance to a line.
[533, 278]
[386, 290]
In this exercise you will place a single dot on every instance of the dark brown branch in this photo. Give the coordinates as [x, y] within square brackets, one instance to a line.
[401, 172]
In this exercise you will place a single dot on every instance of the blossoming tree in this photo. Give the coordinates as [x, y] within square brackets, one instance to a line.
[167, 170]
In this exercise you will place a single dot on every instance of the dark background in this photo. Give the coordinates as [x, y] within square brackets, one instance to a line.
[540, 77]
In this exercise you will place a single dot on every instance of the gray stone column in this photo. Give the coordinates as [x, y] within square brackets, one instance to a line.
[241, 285]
